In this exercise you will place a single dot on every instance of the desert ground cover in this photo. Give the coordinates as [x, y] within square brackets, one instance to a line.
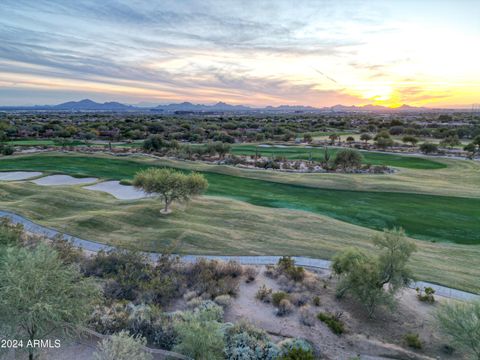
[219, 225]
[428, 217]
[373, 158]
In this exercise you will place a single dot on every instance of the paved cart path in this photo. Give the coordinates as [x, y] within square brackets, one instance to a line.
[246, 260]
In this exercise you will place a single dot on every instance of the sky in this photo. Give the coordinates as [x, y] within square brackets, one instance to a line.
[291, 52]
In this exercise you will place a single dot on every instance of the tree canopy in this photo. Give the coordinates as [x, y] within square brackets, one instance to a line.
[171, 185]
[374, 280]
[39, 295]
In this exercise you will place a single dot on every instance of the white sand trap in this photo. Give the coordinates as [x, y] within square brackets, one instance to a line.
[18, 175]
[264, 145]
[62, 180]
[122, 192]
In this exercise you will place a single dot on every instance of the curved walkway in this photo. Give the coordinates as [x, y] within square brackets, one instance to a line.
[245, 260]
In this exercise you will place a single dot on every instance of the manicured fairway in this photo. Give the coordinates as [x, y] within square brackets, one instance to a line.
[428, 217]
[374, 158]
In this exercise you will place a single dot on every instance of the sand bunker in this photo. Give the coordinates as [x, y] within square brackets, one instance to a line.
[122, 192]
[18, 175]
[63, 180]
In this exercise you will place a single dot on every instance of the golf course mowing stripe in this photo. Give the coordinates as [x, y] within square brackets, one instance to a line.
[426, 217]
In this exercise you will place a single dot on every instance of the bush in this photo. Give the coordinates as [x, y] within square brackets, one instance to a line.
[426, 295]
[299, 299]
[297, 354]
[333, 322]
[213, 278]
[348, 159]
[264, 294]
[296, 349]
[200, 334]
[223, 300]
[307, 317]
[413, 341]
[285, 307]
[428, 148]
[244, 341]
[286, 265]
[10, 235]
[66, 251]
[316, 301]
[278, 296]
[250, 274]
[7, 150]
[122, 347]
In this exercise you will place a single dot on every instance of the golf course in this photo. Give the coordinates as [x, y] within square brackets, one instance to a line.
[261, 212]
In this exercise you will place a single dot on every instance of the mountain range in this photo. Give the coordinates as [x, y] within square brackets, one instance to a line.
[188, 107]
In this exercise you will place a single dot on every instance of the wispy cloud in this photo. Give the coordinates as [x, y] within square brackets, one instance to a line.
[261, 51]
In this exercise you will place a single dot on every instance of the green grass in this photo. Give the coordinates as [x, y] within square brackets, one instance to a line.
[217, 225]
[426, 217]
[373, 158]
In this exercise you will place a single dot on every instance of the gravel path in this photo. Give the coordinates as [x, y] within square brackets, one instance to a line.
[246, 260]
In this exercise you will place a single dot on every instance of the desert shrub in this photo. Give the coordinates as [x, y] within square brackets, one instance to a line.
[223, 300]
[413, 341]
[245, 342]
[278, 296]
[333, 321]
[207, 310]
[426, 295]
[307, 316]
[297, 354]
[195, 302]
[286, 265]
[189, 295]
[264, 294]
[296, 349]
[213, 277]
[316, 301]
[231, 268]
[10, 234]
[270, 271]
[66, 251]
[299, 299]
[139, 320]
[200, 333]
[285, 307]
[250, 274]
[110, 263]
[122, 347]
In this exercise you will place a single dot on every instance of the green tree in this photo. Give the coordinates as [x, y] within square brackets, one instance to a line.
[461, 322]
[122, 346]
[39, 295]
[348, 159]
[366, 137]
[451, 141]
[170, 184]
[383, 140]
[374, 280]
[410, 139]
[428, 148]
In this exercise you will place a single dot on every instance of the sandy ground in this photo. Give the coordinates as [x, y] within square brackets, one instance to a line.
[63, 180]
[114, 188]
[18, 175]
[379, 338]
